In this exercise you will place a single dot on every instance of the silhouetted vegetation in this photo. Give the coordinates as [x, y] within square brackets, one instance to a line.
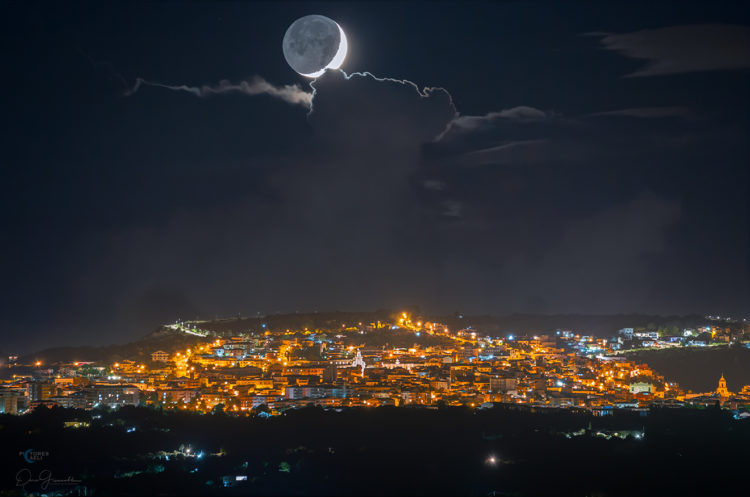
[385, 451]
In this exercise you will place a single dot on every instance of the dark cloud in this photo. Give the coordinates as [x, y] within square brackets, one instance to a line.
[364, 107]
[467, 124]
[554, 139]
[433, 184]
[354, 214]
[683, 49]
[452, 208]
[331, 211]
[609, 253]
[513, 152]
[567, 205]
[519, 135]
[648, 112]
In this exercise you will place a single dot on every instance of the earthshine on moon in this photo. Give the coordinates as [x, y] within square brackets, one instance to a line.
[313, 44]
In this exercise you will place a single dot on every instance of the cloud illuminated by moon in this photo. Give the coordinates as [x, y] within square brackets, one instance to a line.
[337, 60]
[292, 94]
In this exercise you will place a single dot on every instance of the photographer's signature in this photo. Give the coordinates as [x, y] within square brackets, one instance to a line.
[24, 477]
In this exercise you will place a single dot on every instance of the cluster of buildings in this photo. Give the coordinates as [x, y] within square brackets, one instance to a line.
[270, 371]
[717, 333]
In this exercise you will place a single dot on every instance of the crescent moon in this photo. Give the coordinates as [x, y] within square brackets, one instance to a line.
[26, 457]
[337, 60]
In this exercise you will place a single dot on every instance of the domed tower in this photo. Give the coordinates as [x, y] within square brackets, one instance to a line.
[722, 389]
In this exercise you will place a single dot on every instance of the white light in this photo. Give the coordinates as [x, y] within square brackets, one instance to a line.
[338, 59]
[314, 74]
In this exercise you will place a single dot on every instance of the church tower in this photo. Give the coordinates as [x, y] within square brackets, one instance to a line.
[722, 389]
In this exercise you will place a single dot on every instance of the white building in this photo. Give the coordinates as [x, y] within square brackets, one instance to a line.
[160, 356]
[627, 333]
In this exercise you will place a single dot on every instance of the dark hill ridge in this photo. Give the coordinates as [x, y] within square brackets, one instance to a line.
[598, 325]
[170, 340]
[328, 321]
[139, 350]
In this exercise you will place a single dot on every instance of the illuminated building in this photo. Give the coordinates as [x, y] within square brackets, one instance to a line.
[641, 387]
[722, 390]
[37, 390]
[160, 356]
[10, 400]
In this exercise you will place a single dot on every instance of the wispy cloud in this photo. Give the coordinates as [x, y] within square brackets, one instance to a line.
[470, 123]
[452, 208]
[292, 94]
[683, 49]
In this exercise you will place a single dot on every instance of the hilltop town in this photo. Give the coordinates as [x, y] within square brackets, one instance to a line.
[400, 360]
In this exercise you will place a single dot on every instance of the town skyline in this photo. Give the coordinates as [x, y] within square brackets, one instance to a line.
[380, 248]
[296, 360]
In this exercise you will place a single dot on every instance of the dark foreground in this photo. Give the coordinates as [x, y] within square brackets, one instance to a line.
[384, 451]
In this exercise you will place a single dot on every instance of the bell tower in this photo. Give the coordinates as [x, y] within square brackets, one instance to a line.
[722, 389]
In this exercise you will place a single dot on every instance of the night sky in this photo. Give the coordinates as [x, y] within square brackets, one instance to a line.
[587, 158]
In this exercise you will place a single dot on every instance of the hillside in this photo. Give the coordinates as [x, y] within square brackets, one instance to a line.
[169, 339]
[599, 325]
[139, 350]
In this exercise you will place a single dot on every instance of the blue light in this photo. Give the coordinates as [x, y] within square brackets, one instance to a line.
[510, 337]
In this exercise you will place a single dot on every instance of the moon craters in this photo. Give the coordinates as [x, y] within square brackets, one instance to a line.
[311, 43]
